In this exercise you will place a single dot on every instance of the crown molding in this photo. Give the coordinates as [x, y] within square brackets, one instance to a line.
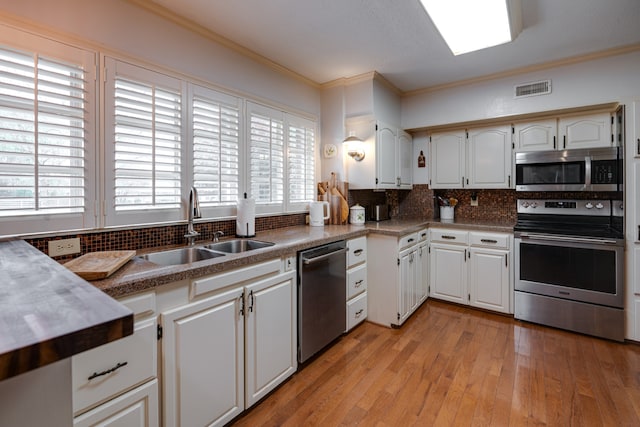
[516, 71]
[217, 38]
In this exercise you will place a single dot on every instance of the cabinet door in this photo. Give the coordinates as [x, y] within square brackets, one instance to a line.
[406, 288]
[536, 136]
[203, 361]
[585, 131]
[448, 271]
[489, 279]
[489, 159]
[136, 408]
[635, 206]
[271, 335]
[386, 156]
[405, 157]
[422, 274]
[447, 160]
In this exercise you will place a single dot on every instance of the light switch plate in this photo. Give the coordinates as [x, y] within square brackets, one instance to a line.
[64, 246]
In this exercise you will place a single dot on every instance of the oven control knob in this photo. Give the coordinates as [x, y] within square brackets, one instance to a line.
[534, 205]
[599, 206]
[525, 204]
[589, 205]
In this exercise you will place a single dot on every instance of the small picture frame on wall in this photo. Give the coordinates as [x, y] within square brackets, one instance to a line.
[330, 151]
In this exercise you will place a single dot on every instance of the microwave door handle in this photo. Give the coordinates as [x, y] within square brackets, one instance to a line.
[587, 172]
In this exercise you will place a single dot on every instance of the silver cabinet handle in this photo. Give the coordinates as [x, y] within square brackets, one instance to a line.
[358, 252]
[108, 371]
[359, 312]
[638, 146]
[359, 283]
[444, 236]
[488, 241]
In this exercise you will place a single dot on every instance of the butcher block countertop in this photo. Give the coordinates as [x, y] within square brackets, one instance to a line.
[47, 313]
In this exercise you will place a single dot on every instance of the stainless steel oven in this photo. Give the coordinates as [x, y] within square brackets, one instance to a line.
[569, 263]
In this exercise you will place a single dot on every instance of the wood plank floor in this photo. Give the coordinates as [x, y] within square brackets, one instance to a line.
[454, 366]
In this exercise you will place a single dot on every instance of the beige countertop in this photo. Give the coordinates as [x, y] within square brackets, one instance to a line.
[139, 275]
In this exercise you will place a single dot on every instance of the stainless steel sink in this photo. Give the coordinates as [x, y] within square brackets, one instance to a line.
[238, 245]
[180, 256]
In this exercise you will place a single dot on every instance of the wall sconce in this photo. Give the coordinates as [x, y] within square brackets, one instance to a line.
[355, 147]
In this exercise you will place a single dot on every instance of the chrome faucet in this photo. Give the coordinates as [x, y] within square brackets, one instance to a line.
[217, 235]
[194, 212]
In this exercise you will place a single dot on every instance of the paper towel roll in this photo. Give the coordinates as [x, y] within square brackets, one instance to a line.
[246, 217]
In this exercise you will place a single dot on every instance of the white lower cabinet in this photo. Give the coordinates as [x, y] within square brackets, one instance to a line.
[356, 281]
[115, 384]
[473, 268]
[136, 408]
[228, 348]
[397, 285]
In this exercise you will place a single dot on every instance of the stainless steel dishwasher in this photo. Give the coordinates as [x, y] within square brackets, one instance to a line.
[321, 297]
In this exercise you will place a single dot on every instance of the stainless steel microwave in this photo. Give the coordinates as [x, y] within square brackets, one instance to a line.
[593, 169]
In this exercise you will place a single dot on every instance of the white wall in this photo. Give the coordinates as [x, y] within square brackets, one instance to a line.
[124, 27]
[609, 79]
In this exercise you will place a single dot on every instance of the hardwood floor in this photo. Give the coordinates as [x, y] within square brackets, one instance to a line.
[454, 366]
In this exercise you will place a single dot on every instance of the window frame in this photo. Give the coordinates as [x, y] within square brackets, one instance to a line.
[34, 223]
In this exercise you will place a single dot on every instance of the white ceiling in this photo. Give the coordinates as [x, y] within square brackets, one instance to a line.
[324, 40]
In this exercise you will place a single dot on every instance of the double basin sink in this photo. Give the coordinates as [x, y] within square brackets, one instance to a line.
[201, 253]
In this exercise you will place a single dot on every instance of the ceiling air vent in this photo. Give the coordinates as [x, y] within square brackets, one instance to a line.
[531, 89]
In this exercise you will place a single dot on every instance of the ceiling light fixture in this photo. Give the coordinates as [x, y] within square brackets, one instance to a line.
[470, 25]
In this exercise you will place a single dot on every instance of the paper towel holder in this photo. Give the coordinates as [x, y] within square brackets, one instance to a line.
[245, 227]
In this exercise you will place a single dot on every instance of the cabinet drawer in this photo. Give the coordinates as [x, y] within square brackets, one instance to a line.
[356, 280]
[445, 235]
[493, 240]
[125, 363]
[356, 310]
[357, 252]
[408, 240]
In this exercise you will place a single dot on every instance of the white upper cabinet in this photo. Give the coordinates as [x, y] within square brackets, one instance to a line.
[447, 160]
[479, 158]
[586, 131]
[535, 136]
[387, 156]
[565, 133]
[489, 158]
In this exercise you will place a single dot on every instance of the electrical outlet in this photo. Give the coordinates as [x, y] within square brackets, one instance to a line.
[474, 202]
[289, 264]
[64, 247]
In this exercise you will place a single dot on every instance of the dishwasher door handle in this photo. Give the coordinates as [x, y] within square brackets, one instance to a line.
[307, 261]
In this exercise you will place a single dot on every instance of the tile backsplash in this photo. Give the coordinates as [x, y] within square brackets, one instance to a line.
[149, 237]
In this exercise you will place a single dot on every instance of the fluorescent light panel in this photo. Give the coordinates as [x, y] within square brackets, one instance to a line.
[469, 25]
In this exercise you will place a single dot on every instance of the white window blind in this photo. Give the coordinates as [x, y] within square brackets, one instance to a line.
[266, 154]
[42, 135]
[147, 146]
[216, 148]
[301, 159]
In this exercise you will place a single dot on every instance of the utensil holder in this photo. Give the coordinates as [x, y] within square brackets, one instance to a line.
[446, 213]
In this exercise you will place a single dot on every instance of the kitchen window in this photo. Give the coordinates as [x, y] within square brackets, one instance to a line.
[215, 132]
[145, 149]
[281, 155]
[46, 135]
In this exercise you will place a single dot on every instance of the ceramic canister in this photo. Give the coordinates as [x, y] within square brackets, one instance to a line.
[356, 215]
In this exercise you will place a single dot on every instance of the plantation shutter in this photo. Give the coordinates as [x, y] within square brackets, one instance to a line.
[301, 159]
[42, 136]
[266, 155]
[216, 147]
[144, 122]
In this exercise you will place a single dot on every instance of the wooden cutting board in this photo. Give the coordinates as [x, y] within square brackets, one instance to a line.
[99, 265]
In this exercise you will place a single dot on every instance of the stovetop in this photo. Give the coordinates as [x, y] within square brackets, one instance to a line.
[584, 218]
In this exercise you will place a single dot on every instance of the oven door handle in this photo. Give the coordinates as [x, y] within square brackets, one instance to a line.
[552, 238]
